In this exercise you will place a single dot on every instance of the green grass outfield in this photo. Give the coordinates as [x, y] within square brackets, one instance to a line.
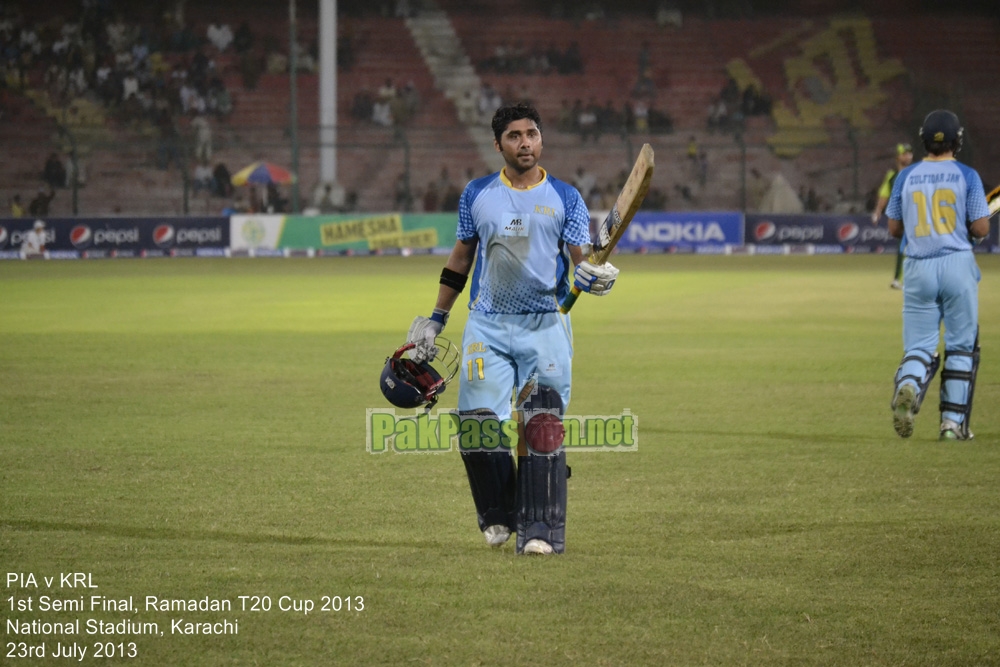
[194, 429]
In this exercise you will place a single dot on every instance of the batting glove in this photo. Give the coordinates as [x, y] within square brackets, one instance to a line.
[423, 332]
[595, 279]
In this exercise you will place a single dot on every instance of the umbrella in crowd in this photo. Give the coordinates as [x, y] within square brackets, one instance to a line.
[262, 173]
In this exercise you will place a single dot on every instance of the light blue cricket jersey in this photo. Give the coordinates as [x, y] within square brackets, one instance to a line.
[936, 199]
[522, 264]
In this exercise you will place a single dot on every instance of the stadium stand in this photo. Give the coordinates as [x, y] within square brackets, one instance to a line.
[839, 90]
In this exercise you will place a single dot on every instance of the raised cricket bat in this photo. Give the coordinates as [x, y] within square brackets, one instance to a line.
[628, 202]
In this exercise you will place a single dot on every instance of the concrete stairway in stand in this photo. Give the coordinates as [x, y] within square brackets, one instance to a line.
[454, 75]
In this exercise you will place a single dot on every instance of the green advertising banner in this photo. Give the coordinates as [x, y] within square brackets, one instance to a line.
[368, 233]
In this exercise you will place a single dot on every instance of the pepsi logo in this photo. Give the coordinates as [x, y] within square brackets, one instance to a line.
[4, 236]
[764, 230]
[81, 236]
[847, 232]
[163, 235]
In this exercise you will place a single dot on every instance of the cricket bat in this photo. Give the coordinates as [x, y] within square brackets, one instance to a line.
[524, 395]
[613, 227]
[993, 199]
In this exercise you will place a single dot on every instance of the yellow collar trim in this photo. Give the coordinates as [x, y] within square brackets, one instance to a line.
[506, 181]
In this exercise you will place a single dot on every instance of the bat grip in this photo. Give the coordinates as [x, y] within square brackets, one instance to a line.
[570, 299]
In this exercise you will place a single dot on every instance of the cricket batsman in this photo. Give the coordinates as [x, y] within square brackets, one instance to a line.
[940, 207]
[523, 235]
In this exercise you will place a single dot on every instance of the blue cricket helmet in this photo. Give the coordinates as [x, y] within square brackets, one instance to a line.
[942, 128]
[408, 384]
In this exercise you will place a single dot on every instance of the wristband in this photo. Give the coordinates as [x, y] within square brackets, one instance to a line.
[453, 279]
[440, 316]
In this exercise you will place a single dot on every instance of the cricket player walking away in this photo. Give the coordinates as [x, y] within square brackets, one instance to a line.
[940, 207]
[520, 233]
[904, 158]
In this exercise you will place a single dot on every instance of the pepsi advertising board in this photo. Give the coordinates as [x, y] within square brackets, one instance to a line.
[121, 237]
[840, 233]
[694, 231]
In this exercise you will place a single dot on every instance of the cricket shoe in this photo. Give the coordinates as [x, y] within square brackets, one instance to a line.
[953, 431]
[537, 546]
[496, 535]
[895, 284]
[902, 410]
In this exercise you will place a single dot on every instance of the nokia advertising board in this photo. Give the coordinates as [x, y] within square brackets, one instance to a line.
[681, 231]
[121, 237]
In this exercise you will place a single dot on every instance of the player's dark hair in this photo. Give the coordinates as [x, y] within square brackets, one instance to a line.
[936, 148]
[504, 116]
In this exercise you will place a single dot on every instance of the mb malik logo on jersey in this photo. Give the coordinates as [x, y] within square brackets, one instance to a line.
[516, 227]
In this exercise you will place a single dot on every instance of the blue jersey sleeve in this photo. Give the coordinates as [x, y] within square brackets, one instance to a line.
[576, 226]
[975, 196]
[894, 209]
[466, 225]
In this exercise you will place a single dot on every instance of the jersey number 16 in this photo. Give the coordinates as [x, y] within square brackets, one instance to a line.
[941, 209]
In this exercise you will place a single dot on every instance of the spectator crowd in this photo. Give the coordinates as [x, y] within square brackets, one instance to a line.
[155, 73]
[516, 58]
[730, 109]
[138, 70]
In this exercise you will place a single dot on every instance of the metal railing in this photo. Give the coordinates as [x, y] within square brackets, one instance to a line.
[393, 169]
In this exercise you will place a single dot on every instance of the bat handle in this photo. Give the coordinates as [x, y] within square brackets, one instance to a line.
[570, 299]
